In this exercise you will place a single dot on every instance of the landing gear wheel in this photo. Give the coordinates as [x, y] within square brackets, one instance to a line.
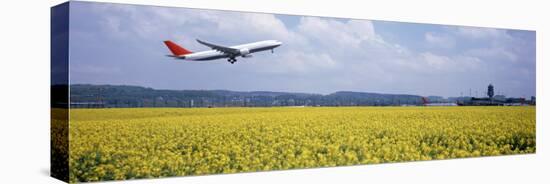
[232, 60]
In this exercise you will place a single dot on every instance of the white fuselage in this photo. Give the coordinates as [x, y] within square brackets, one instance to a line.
[245, 50]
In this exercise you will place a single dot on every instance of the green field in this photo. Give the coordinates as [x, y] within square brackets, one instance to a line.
[107, 144]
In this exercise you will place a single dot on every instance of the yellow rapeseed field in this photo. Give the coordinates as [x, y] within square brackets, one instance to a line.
[107, 144]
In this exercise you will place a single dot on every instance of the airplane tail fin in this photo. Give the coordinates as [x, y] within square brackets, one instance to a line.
[425, 100]
[176, 49]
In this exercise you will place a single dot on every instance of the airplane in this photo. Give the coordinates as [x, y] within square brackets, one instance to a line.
[218, 52]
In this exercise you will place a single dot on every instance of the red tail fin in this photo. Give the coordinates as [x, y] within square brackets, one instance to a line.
[176, 49]
[425, 100]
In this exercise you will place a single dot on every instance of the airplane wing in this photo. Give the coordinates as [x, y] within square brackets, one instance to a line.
[226, 50]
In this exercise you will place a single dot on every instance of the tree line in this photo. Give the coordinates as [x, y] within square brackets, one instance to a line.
[87, 96]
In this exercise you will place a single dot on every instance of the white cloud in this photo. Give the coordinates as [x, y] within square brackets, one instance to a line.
[481, 33]
[297, 62]
[449, 64]
[435, 61]
[439, 40]
[497, 46]
[335, 33]
[491, 44]
[494, 53]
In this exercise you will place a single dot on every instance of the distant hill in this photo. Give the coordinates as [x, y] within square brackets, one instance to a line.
[86, 95]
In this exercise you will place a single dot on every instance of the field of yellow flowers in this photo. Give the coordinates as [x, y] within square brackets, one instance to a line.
[107, 144]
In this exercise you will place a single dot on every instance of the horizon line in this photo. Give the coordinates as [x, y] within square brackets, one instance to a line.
[380, 93]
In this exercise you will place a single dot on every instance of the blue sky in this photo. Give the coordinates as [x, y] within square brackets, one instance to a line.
[122, 44]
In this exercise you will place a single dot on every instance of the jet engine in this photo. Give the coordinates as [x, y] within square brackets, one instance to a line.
[244, 51]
